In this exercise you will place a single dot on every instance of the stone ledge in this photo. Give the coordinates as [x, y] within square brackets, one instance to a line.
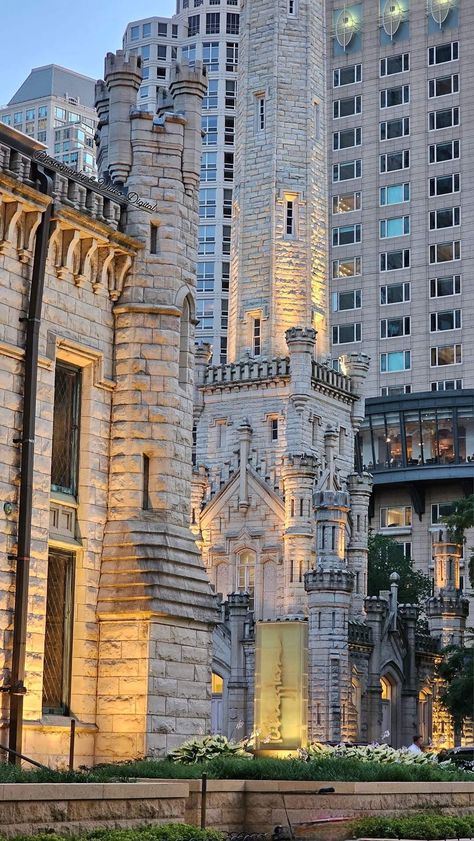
[93, 791]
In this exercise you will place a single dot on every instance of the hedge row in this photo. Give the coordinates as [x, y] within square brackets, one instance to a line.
[422, 825]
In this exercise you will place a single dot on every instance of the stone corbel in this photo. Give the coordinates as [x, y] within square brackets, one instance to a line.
[106, 255]
[12, 211]
[85, 252]
[29, 225]
[54, 247]
[121, 267]
[69, 244]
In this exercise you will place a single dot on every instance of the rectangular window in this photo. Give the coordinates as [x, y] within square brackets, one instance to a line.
[395, 64]
[261, 113]
[209, 127]
[347, 170]
[396, 194]
[58, 633]
[232, 57]
[399, 226]
[346, 202]
[210, 100]
[274, 429]
[232, 24]
[443, 85]
[205, 314]
[395, 293]
[395, 96]
[134, 33]
[230, 93]
[391, 129]
[442, 185]
[42, 111]
[225, 277]
[441, 287]
[346, 333]
[188, 53]
[351, 300]
[445, 218]
[447, 118]
[207, 239]
[65, 444]
[193, 25]
[396, 360]
[292, 8]
[347, 75]
[395, 390]
[446, 355]
[346, 234]
[227, 204]
[347, 138]
[347, 107]
[290, 218]
[226, 239]
[395, 517]
[392, 161]
[209, 166]
[228, 166]
[163, 30]
[213, 23]
[207, 203]
[440, 510]
[257, 336]
[392, 328]
[444, 252]
[448, 151]
[446, 385]
[445, 320]
[443, 53]
[229, 131]
[205, 277]
[350, 267]
[210, 55]
[224, 313]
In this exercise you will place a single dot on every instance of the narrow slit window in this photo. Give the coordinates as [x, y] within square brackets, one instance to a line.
[146, 483]
[257, 336]
[153, 239]
[261, 113]
[290, 218]
[58, 633]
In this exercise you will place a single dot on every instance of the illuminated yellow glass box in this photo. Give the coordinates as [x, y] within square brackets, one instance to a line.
[281, 686]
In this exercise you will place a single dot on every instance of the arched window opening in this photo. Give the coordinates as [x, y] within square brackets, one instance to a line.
[184, 338]
[246, 574]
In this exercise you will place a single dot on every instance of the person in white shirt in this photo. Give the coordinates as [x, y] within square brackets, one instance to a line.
[416, 745]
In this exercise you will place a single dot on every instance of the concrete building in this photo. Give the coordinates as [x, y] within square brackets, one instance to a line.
[278, 511]
[96, 431]
[206, 32]
[56, 107]
[400, 120]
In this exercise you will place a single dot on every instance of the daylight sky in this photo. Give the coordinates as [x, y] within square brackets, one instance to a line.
[75, 35]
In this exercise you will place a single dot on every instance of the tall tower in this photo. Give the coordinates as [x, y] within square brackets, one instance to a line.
[278, 276]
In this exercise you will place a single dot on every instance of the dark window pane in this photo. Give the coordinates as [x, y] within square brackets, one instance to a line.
[58, 632]
[64, 457]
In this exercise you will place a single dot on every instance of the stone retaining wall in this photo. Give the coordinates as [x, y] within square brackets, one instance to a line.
[232, 805]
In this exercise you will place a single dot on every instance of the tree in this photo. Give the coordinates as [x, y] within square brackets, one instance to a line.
[387, 556]
[456, 669]
[461, 519]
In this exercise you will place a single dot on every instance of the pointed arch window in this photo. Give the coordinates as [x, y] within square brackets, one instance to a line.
[246, 573]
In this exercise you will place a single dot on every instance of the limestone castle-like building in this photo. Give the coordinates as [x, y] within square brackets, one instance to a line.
[278, 510]
[117, 614]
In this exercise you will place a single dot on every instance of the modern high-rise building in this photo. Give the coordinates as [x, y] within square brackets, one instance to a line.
[56, 106]
[401, 254]
[208, 32]
[397, 106]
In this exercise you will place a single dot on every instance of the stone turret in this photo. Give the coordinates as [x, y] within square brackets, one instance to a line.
[154, 592]
[359, 486]
[356, 366]
[298, 473]
[447, 610]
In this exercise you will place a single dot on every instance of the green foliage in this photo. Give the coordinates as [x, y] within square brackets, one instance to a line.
[373, 753]
[462, 518]
[163, 832]
[427, 825]
[387, 556]
[207, 749]
[457, 671]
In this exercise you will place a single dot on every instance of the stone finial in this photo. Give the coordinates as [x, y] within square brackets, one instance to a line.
[101, 100]
[122, 77]
[331, 438]
[394, 583]
[355, 366]
[245, 437]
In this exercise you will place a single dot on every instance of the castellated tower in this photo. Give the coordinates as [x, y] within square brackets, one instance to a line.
[155, 604]
[276, 423]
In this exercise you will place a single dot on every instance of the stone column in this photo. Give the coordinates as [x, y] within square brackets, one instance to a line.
[376, 614]
[298, 475]
[238, 609]
[359, 486]
[301, 345]
[245, 437]
[409, 614]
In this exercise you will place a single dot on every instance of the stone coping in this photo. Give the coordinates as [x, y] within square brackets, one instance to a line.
[313, 787]
[94, 791]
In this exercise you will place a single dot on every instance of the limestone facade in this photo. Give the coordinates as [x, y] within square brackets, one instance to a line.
[130, 657]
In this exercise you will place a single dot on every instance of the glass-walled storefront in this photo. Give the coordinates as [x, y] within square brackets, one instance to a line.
[412, 433]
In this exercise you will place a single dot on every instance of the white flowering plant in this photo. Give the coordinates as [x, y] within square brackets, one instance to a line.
[206, 749]
[371, 753]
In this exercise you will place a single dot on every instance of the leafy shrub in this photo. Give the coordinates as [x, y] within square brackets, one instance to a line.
[421, 825]
[207, 749]
[372, 753]
[163, 832]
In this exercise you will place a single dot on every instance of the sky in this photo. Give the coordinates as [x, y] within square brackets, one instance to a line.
[75, 35]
